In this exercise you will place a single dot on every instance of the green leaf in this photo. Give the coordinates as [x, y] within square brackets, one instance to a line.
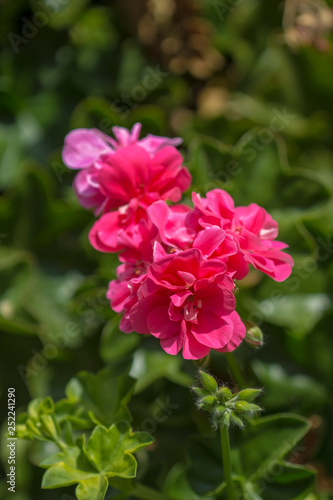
[299, 313]
[116, 344]
[266, 441]
[109, 449]
[94, 488]
[72, 467]
[103, 398]
[72, 412]
[149, 366]
[177, 487]
[291, 482]
[284, 480]
[284, 391]
[255, 450]
[108, 453]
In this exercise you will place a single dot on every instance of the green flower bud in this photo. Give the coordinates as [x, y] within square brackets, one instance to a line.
[48, 426]
[249, 394]
[234, 419]
[201, 393]
[254, 335]
[245, 407]
[255, 408]
[220, 410]
[32, 428]
[207, 402]
[224, 393]
[208, 382]
[226, 419]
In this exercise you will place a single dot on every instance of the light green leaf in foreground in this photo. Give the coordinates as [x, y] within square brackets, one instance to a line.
[108, 453]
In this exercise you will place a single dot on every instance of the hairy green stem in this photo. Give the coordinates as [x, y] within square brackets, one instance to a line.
[146, 493]
[226, 459]
[235, 370]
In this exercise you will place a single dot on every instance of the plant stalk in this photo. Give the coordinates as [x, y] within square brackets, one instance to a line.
[235, 370]
[226, 459]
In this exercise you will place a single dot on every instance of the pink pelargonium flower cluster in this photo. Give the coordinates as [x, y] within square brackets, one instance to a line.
[176, 279]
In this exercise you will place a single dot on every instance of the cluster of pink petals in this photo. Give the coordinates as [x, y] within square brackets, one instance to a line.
[91, 152]
[176, 280]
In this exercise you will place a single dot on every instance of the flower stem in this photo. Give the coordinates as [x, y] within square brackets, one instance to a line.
[146, 493]
[226, 458]
[234, 368]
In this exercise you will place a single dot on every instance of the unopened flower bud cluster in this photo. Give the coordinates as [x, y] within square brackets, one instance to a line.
[225, 406]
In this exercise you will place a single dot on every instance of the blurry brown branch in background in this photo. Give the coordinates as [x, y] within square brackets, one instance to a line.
[307, 23]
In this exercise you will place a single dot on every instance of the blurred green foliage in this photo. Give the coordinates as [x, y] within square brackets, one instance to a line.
[261, 127]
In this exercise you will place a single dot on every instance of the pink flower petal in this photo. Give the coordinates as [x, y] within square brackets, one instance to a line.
[238, 334]
[192, 349]
[83, 146]
[209, 239]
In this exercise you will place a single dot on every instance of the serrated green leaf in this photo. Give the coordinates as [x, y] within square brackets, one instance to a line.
[54, 459]
[108, 453]
[94, 488]
[61, 475]
[100, 396]
[109, 449]
[69, 467]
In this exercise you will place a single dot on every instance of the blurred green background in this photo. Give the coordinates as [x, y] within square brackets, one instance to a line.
[248, 85]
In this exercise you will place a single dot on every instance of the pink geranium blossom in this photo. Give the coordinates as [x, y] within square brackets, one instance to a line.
[126, 228]
[252, 230]
[122, 292]
[188, 303]
[132, 180]
[131, 173]
[87, 149]
[170, 221]
[176, 280]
